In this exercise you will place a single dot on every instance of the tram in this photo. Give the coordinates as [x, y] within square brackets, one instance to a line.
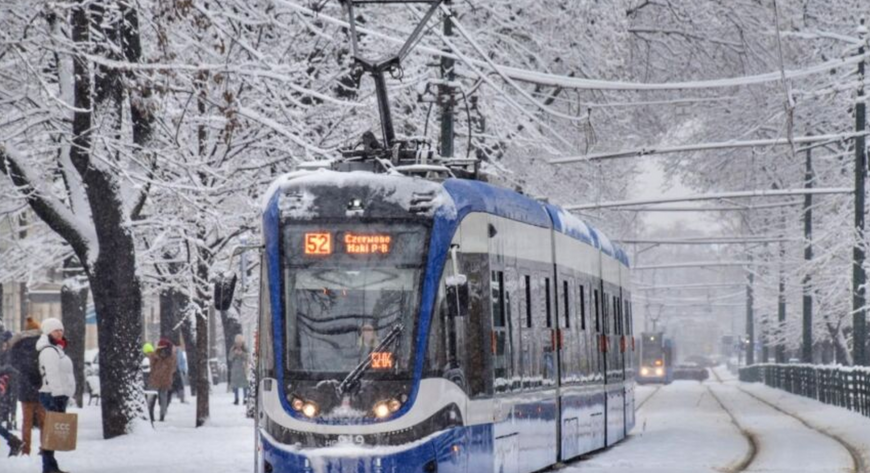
[656, 359]
[418, 325]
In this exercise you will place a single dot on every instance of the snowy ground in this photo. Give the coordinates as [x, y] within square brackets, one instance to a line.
[681, 428]
[225, 445]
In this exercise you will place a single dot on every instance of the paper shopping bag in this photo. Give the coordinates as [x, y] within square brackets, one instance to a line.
[59, 431]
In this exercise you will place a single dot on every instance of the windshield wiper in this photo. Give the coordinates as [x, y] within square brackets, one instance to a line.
[354, 376]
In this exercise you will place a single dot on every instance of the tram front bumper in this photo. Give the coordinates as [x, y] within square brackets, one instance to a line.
[427, 456]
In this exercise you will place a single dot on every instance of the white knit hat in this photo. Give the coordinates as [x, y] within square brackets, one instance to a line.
[50, 325]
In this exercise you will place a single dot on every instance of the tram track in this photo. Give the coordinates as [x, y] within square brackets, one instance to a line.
[656, 390]
[859, 465]
[750, 436]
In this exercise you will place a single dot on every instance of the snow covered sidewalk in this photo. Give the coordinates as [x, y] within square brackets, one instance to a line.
[224, 445]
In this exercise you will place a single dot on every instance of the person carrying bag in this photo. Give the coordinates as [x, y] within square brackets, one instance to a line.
[58, 384]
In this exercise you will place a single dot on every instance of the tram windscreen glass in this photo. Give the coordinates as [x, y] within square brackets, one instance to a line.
[346, 287]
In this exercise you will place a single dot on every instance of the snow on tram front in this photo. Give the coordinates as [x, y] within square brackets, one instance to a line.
[385, 331]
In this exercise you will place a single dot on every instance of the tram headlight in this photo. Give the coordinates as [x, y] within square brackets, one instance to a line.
[307, 408]
[660, 371]
[310, 409]
[644, 371]
[385, 408]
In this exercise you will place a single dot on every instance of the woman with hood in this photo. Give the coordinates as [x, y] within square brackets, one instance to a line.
[58, 378]
[238, 367]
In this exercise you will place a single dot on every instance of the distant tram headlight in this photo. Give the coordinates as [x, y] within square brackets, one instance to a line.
[644, 371]
[660, 372]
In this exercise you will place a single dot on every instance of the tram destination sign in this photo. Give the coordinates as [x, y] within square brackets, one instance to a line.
[321, 244]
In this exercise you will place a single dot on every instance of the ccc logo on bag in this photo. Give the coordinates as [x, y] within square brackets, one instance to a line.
[62, 428]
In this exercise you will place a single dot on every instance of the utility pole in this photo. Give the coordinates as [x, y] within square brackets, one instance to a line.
[780, 326]
[807, 352]
[859, 277]
[447, 95]
[750, 321]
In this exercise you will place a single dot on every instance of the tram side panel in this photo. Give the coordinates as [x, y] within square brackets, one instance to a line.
[522, 369]
[582, 390]
[612, 326]
[631, 347]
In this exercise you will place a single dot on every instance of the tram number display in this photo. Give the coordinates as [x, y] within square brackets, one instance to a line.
[355, 244]
[318, 244]
[382, 360]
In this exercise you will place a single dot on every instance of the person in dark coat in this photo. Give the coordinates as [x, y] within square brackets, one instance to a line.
[239, 368]
[24, 358]
[163, 366]
[7, 377]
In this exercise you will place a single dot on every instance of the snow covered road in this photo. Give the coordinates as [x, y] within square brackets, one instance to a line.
[683, 428]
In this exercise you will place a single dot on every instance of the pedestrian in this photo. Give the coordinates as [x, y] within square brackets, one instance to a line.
[25, 359]
[58, 379]
[8, 402]
[5, 336]
[162, 362]
[180, 372]
[7, 390]
[239, 368]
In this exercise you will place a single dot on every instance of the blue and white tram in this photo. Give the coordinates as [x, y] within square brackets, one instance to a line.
[414, 326]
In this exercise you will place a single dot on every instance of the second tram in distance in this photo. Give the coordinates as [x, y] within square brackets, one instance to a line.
[656, 359]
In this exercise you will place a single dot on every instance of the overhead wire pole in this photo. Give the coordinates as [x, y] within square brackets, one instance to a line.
[446, 92]
[807, 333]
[750, 318]
[859, 277]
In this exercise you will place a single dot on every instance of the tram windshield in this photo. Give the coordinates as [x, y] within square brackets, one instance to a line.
[346, 289]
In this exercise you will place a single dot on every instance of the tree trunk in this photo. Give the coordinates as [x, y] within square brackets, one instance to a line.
[232, 327]
[203, 302]
[73, 307]
[188, 333]
[171, 315]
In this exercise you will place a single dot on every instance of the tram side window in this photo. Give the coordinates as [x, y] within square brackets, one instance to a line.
[528, 289]
[500, 338]
[265, 348]
[436, 347]
[566, 294]
[597, 309]
[582, 292]
[548, 303]
[617, 324]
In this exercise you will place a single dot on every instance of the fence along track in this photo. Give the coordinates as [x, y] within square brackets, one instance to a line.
[858, 463]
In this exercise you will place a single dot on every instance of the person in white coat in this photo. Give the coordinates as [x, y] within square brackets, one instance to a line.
[58, 378]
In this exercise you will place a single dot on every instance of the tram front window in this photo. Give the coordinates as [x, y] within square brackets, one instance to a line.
[341, 317]
[352, 295]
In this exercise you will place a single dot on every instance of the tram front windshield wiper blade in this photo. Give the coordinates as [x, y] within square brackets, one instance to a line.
[353, 377]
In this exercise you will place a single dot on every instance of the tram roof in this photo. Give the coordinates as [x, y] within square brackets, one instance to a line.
[475, 196]
[470, 196]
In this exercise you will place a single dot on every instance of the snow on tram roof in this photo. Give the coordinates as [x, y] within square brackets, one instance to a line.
[456, 198]
[398, 189]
